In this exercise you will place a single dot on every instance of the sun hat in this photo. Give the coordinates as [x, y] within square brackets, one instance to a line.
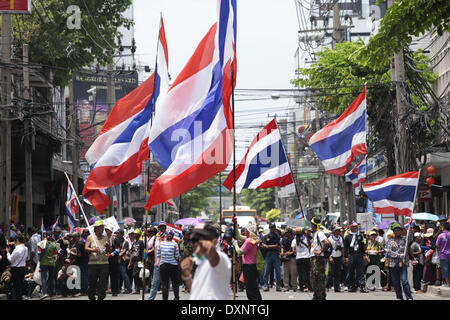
[316, 221]
[251, 227]
[99, 223]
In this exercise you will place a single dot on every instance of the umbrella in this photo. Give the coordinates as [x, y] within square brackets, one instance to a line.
[92, 220]
[189, 221]
[385, 224]
[425, 216]
[129, 220]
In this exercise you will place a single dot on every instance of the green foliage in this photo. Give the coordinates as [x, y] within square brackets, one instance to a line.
[404, 19]
[53, 44]
[196, 199]
[273, 215]
[262, 200]
[349, 72]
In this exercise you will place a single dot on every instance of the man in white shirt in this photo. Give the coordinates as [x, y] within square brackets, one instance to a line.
[337, 244]
[18, 260]
[320, 245]
[301, 246]
[213, 272]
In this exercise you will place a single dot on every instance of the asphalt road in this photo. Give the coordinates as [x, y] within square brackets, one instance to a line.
[274, 295]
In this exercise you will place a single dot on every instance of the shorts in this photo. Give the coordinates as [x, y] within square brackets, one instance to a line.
[445, 268]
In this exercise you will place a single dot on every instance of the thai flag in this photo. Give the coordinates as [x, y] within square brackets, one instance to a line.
[178, 232]
[394, 194]
[265, 163]
[338, 143]
[54, 225]
[117, 154]
[43, 230]
[71, 207]
[409, 224]
[191, 136]
[358, 174]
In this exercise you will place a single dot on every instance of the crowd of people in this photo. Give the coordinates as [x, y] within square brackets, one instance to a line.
[138, 260]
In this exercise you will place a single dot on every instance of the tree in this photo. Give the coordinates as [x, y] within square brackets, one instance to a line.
[262, 200]
[197, 199]
[273, 215]
[62, 50]
[347, 73]
[402, 20]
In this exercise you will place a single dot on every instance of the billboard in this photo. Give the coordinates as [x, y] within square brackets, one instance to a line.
[90, 101]
[15, 6]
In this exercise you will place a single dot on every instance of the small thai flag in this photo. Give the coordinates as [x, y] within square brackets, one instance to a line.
[42, 226]
[54, 225]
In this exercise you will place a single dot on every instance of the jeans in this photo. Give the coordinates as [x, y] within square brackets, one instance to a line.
[272, 259]
[155, 283]
[251, 281]
[356, 265]
[48, 280]
[399, 280]
[169, 272]
[98, 281]
[84, 278]
[303, 270]
[126, 280]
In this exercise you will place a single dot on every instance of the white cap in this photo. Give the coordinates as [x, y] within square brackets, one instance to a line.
[417, 234]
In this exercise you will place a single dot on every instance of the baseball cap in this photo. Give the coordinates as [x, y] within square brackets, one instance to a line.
[372, 233]
[354, 224]
[396, 226]
[99, 223]
[206, 230]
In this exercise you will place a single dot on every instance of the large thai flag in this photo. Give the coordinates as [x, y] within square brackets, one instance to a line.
[117, 154]
[394, 194]
[71, 207]
[191, 135]
[338, 143]
[265, 164]
[358, 174]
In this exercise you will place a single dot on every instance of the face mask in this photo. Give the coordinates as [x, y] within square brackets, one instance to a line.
[202, 258]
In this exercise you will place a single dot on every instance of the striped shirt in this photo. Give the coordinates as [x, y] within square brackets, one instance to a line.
[168, 252]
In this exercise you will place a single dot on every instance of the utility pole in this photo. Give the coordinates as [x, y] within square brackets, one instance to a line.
[29, 144]
[111, 99]
[73, 132]
[336, 24]
[295, 203]
[6, 101]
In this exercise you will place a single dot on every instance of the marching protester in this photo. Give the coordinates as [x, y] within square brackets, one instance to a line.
[320, 244]
[213, 270]
[124, 260]
[18, 258]
[271, 246]
[443, 246]
[375, 251]
[249, 251]
[82, 261]
[48, 253]
[354, 251]
[136, 254]
[398, 259]
[336, 257]
[113, 261]
[301, 245]
[289, 264]
[98, 248]
[417, 261]
[156, 278]
[169, 258]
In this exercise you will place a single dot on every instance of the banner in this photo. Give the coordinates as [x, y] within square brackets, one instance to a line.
[15, 6]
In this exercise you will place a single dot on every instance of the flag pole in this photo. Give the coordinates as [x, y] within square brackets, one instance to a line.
[79, 203]
[290, 168]
[147, 186]
[410, 221]
[234, 183]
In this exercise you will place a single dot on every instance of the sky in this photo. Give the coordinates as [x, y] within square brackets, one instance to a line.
[266, 44]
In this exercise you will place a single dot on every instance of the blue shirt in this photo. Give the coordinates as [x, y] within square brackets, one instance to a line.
[168, 252]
